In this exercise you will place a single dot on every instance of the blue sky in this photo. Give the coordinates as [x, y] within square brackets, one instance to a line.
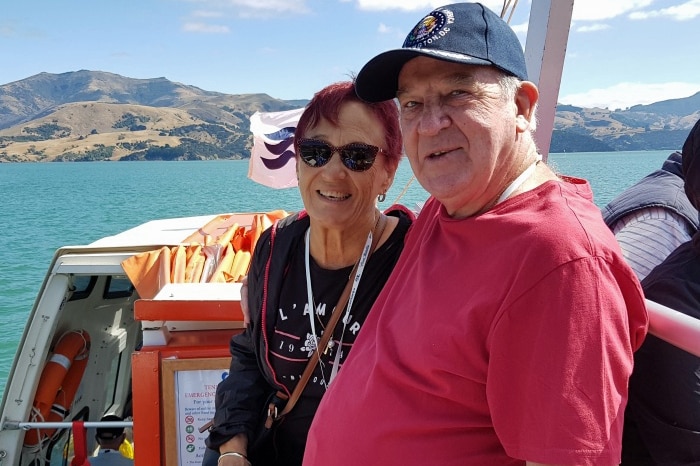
[620, 52]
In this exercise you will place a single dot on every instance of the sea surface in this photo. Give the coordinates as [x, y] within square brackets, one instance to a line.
[48, 205]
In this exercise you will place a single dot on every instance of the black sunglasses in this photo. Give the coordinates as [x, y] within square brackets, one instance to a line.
[356, 156]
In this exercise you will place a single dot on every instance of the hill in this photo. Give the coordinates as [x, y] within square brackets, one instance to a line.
[93, 115]
[657, 126]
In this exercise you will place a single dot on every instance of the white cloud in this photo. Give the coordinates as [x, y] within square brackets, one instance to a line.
[273, 5]
[520, 28]
[406, 5]
[384, 29]
[584, 10]
[597, 10]
[683, 12]
[627, 94]
[416, 5]
[593, 27]
[206, 14]
[248, 8]
[6, 30]
[205, 28]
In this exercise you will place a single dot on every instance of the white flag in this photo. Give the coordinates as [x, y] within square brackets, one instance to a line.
[272, 160]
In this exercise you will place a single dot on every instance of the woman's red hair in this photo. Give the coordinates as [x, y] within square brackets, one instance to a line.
[326, 105]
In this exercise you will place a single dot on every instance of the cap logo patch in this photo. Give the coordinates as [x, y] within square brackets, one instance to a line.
[430, 29]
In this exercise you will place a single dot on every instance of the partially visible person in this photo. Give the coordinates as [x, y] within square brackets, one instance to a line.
[653, 217]
[347, 155]
[505, 334]
[662, 420]
[110, 440]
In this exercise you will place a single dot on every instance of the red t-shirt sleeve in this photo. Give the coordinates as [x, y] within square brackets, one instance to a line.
[549, 361]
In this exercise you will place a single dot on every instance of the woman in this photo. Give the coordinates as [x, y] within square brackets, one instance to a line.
[347, 154]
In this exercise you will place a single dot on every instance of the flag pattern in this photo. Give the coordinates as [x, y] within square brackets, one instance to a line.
[272, 161]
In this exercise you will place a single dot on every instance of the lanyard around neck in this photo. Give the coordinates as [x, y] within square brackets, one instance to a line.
[353, 291]
[516, 183]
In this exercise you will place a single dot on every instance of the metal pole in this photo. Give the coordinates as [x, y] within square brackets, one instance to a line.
[16, 425]
[545, 49]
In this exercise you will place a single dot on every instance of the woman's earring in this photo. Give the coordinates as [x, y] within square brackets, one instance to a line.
[381, 197]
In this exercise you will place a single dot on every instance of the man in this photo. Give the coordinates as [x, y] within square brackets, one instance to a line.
[505, 334]
[653, 217]
[110, 439]
[662, 419]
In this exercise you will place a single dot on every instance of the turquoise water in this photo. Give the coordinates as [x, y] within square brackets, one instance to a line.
[49, 205]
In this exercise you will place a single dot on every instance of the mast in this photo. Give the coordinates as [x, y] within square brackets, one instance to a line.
[545, 48]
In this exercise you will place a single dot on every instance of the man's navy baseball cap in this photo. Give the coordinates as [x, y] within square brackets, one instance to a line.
[466, 33]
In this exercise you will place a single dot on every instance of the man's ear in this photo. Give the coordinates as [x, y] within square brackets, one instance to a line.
[525, 101]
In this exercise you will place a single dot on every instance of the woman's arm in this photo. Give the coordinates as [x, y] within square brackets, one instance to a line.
[241, 395]
[234, 451]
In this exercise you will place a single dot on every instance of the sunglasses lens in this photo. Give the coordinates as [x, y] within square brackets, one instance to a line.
[355, 156]
[358, 157]
[315, 153]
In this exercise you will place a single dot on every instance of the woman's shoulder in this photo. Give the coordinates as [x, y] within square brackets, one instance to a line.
[292, 219]
[282, 235]
[399, 223]
[403, 213]
[290, 226]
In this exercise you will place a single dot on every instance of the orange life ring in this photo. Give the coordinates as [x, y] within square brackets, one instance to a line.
[58, 384]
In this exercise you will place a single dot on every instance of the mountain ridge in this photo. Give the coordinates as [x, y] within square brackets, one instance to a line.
[95, 115]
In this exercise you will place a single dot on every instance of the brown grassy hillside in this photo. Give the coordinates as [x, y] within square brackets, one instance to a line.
[93, 115]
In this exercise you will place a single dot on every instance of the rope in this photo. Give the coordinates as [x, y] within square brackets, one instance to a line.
[408, 183]
[506, 5]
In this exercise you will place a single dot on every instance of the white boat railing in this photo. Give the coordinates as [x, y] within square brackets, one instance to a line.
[679, 329]
[16, 425]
